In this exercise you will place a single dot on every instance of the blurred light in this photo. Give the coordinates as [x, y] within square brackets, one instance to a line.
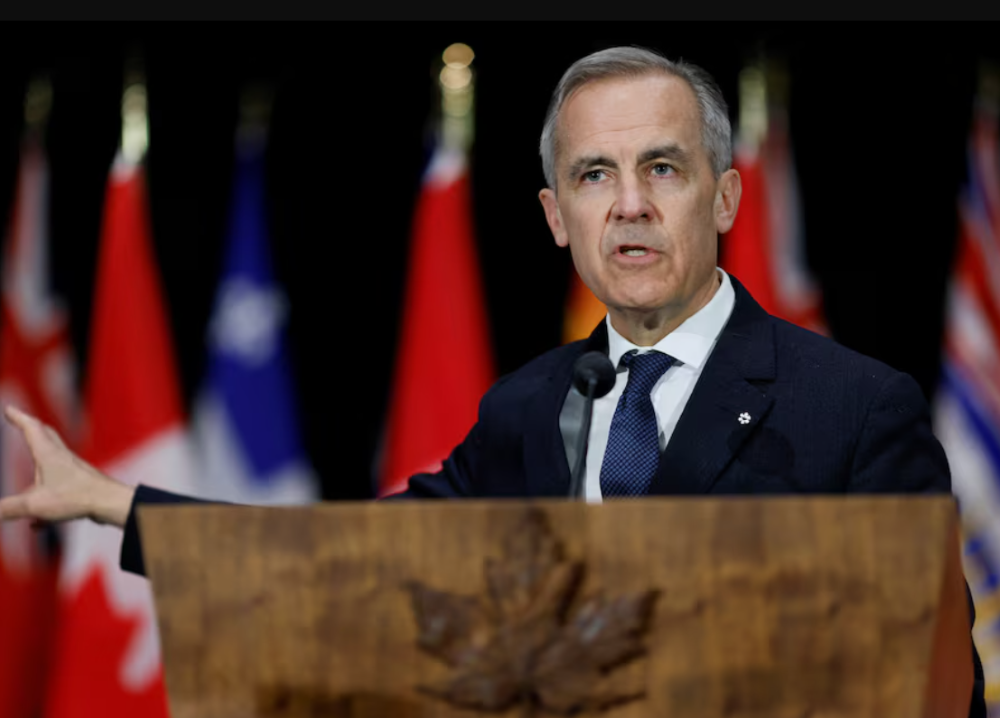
[135, 127]
[455, 78]
[38, 101]
[753, 105]
[458, 55]
[457, 91]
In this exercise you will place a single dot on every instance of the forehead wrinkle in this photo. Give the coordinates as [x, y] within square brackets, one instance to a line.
[672, 114]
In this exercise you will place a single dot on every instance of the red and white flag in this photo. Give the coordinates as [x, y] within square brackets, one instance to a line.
[107, 660]
[444, 361]
[765, 249]
[36, 375]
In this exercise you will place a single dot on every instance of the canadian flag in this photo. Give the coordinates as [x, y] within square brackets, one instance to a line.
[36, 374]
[107, 660]
[444, 363]
[765, 249]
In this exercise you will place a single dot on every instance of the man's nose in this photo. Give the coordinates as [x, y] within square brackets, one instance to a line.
[632, 203]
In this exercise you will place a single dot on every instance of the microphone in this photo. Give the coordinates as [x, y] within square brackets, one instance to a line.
[593, 376]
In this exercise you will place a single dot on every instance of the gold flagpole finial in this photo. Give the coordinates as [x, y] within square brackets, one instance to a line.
[38, 103]
[753, 104]
[988, 86]
[135, 119]
[457, 83]
[256, 101]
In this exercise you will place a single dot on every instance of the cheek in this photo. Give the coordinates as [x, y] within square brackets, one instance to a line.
[585, 230]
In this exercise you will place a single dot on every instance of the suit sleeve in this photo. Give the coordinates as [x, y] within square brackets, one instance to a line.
[454, 480]
[457, 477]
[897, 452]
[131, 552]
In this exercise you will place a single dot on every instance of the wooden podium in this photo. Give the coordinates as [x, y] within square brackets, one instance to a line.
[696, 607]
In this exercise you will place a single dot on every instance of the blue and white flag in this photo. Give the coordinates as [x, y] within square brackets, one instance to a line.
[245, 426]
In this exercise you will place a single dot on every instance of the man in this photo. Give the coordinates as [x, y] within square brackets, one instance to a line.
[713, 395]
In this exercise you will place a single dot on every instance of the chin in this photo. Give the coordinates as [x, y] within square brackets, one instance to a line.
[645, 301]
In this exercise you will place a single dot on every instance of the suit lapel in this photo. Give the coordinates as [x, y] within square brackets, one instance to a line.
[726, 404]
[548, 473]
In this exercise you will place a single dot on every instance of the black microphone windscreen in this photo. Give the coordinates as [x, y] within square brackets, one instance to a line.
[594, 366]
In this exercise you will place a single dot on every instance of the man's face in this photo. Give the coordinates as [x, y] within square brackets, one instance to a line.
[636, 199]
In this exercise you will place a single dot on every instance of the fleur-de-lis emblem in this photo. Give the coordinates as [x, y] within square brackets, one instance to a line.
[744, 418]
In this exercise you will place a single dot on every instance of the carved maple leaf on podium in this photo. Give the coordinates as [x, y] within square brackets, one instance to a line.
[520, 644]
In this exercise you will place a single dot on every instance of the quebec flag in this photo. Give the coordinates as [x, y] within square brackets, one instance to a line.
[245, 426]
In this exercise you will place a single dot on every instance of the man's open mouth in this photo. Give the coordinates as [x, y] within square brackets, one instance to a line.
[631, 251]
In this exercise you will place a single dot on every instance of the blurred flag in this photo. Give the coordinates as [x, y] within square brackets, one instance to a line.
[36, 374]
[584, 311]
[107, 660]
[765, 249]
[444, 363]
[245, 421]
[967, 404]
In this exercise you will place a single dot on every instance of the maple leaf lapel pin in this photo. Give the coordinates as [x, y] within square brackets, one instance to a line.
[520, 644]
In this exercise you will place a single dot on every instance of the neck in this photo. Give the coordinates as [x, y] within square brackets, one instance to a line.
[645, 328]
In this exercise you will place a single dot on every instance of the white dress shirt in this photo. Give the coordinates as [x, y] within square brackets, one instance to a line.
[690, 345]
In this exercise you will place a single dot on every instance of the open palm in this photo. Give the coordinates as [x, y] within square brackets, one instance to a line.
[65, 486]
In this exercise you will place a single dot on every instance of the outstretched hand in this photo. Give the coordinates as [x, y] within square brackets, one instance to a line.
[65, 486]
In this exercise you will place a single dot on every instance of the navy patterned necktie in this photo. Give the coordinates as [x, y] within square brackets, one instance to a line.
[633, 452]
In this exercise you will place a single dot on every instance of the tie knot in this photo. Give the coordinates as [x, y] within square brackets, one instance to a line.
[644, 370]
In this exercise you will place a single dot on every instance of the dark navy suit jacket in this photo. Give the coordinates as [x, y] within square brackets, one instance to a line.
[823, 420]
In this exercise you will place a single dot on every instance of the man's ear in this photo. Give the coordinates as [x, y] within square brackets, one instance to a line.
[727, 200]
[552, 215]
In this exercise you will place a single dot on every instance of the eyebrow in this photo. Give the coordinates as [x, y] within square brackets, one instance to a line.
[586, 162]
[663, 152]
[666, 152]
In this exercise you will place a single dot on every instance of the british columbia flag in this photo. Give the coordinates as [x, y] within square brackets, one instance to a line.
[967, 405]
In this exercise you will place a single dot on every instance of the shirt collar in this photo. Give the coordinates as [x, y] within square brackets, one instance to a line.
[692, 341]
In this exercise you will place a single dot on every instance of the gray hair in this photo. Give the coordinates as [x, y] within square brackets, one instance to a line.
[632, 62]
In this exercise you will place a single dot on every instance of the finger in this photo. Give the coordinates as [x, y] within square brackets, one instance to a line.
[32, 428]
[53, 435]
[15, 416]
[14, 507]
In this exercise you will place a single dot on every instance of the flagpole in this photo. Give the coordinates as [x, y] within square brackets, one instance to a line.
[37, 104]
[135, 119]
[753, 105]
[988, 86]
[456, 82]
[256, 103]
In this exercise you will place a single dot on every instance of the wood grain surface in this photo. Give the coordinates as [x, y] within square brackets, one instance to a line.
[766, 607]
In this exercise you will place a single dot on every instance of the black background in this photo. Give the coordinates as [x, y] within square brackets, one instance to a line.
[879, 117]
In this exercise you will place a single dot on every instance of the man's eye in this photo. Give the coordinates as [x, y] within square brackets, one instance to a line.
[593, 176]
[662, 170]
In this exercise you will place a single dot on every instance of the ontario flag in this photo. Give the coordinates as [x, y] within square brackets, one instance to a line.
[765, 249]
[36, 375]
[245, 420]
[967, 402]
[107, 659]
[444, 363]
